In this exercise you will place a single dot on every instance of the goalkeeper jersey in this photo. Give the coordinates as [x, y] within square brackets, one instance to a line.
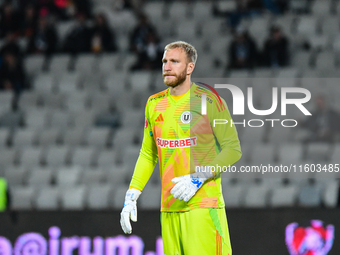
[182, 139]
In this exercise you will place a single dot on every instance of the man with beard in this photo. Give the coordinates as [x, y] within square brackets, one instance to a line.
[189, 148]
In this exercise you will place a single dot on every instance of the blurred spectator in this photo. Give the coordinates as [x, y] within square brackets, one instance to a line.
[250, 8]
[11, 45]
[135, 5]
[47, 7]
[244, 9]
[44, 38]
[150, 57]
[12, 75]
[249, 4]
[4, 195]
[283, 5]
[79, 38]
[83, 6]
[140, 34]
[102, 37]
[9, 20]
[242, 51]
[145, 43]
[276, 49]
[323, 125]
[28, 21]
[59, 9]
[63, 9]
[276, 6]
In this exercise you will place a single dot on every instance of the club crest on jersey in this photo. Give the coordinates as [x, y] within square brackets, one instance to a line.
[186, 117]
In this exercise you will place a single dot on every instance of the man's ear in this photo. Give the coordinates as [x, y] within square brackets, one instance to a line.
[190, 68]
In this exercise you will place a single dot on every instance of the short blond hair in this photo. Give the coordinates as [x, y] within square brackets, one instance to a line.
[187, 47]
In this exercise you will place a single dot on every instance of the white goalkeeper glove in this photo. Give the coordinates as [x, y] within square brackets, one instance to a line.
[129, 210]
[187, 185]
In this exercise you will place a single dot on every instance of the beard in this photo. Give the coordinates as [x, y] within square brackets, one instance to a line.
[179, 79]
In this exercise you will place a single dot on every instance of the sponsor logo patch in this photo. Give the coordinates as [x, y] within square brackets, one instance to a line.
[176, 143]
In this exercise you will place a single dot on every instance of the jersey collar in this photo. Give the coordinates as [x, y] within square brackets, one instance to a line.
[186, 95]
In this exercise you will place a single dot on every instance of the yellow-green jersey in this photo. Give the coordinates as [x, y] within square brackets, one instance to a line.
[183, 139]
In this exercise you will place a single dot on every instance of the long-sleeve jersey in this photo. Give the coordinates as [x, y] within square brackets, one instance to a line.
[182, 139]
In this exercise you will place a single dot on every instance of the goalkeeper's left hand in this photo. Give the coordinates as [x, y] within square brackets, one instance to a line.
[187, 185]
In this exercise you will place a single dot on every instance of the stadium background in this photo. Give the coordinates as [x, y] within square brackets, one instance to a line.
[71, 133]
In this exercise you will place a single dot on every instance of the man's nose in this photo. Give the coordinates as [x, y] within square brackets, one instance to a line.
[167, 66]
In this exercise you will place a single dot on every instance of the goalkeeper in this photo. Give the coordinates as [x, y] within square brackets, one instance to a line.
[186, 143]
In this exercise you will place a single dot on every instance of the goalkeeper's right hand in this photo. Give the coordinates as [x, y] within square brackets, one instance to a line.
[129, 210]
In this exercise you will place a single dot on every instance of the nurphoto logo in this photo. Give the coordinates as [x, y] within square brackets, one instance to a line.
[239, 105]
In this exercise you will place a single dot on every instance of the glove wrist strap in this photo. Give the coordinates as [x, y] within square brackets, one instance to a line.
[205, 172]
[132, 194]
